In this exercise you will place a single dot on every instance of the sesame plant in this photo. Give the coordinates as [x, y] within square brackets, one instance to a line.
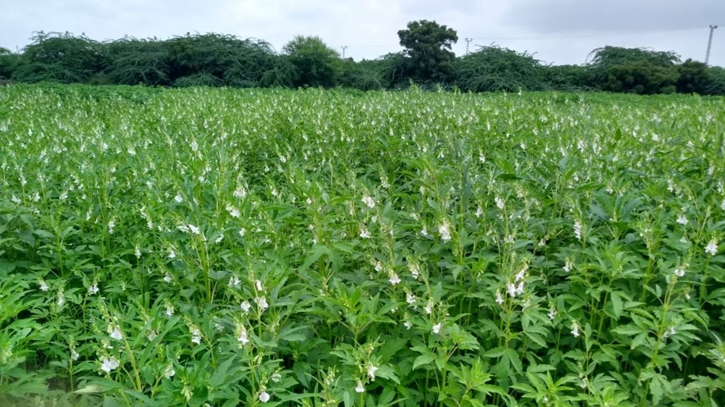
[216, 247]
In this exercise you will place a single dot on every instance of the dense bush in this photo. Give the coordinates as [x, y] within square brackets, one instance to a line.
[426, 61]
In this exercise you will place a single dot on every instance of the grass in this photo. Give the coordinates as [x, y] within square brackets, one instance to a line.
[320, 248]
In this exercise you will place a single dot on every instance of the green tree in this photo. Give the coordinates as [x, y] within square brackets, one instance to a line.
[567, 77]
[716, 85]
[138, 62]
[693, 77]
[634, 70]
[493, 68]
[316, 64]
[428, 50]
[363, 75]
[61, 57]
[9, 62]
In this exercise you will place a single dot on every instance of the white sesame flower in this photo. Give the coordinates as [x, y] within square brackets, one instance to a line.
[429, 307]
[437, 328]
[511, 289]
[378, 266]
[169, 372]
[424, 232]
[410, 298]
[243, 338]
[394, 279]
[195, 336]
[520, 274]
[371, 371]
[552, 313]
[264, 397]
[246, 306]
[479, 212]
[722, 205]
[679, 271]
[93, 289]
[567, 265]
[219, 239]
[408, 324]
[195, 230]
[578, 230]
[575, 329]
[240, 192]
[151, 335]
[499, 298]
[116, 333]
[74, 355]
[261, 303]
[137, 252]
[499, 203]
[109, 364]
[111, 225]
[43, 286]
[178, 198]
[711, 248]
[183, 228]
[369, 201]
[258, 285]
[520, 288]
[359, 388]
[167, 278]
[234, 282]
[445, 232]
[682, 219]
[172, 254]
[234, 212]
[169, 310]
[364, 233]
[414, 270]
[242, 232]
[276, 377]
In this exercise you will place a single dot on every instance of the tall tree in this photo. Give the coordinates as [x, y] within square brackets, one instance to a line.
[428, 50]
[315, 62]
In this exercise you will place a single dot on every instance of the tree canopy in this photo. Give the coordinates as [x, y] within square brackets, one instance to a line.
[426, 59]
[428, 50]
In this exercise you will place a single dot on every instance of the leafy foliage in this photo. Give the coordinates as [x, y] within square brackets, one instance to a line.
[634, 70]
[426, 62]
[428, 50]
[493, 69]
[316, 64]
[274, 247]
[61, 57]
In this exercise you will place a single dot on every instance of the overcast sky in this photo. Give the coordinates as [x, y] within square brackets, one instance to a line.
[558, 31]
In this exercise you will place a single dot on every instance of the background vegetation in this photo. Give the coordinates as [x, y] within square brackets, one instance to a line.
[426, 60]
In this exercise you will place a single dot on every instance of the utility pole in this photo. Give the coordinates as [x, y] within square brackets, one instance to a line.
[709, 44]
[468, 41]
[344, 47]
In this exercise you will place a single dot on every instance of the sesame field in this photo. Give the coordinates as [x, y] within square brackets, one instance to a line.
[218, 247]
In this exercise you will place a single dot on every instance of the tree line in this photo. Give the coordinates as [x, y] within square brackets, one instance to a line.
[427, 60]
